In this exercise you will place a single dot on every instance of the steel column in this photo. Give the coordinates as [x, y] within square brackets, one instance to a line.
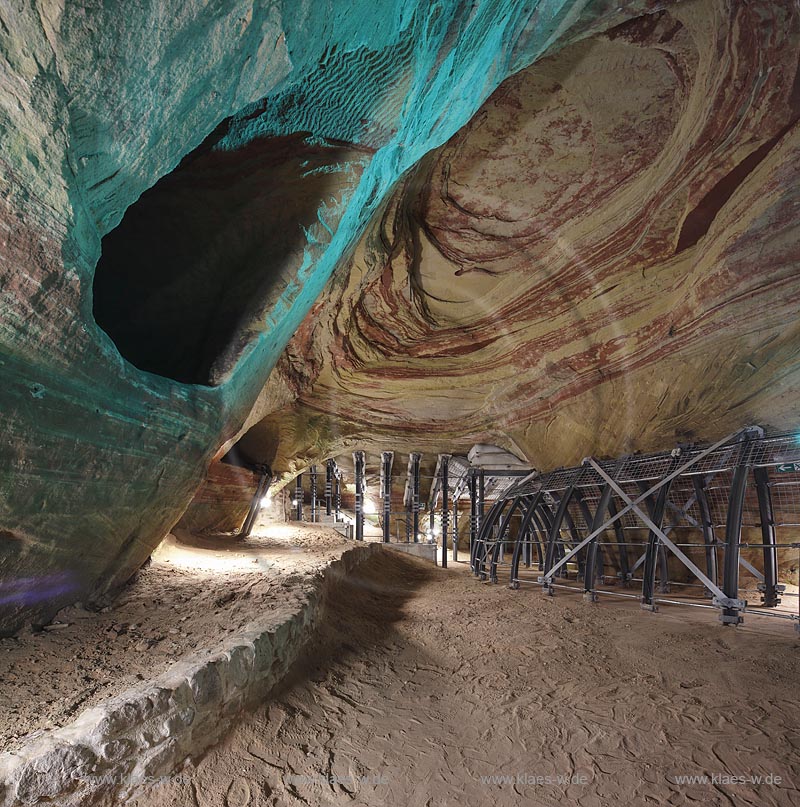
[654, 548]
[733, 536]
[707, 525]
[358, 464]
[770, 588]
[594, 552]
[524, 528]
[313, 470]
[415, 458]
[473, 509]
[298, 497]
[255, 503]
[337, 494]
[329, 471]
[455, 530]
[504, 524]
[386, 477]
[481, 497]
[479, 560]
[444, 459]
[555, 534]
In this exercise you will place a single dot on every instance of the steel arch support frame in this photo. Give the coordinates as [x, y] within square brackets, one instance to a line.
[770, 588]
[594, 552]
[707, 525]
[501, 534]
[553, 537]
[655, 552]
[619, 534]
[478, 563]
[298, 497]
[523, 530]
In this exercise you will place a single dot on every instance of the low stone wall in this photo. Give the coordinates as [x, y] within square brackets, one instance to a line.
[141, 735]
[424, 551]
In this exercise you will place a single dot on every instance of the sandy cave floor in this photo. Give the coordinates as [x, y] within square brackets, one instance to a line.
[194, 592]
[424, 680]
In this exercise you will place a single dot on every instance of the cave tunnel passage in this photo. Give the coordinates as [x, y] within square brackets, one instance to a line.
[184, 279]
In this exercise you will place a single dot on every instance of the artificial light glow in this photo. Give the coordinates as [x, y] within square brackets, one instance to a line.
[266, 501]
[369, 506]
[294, 502]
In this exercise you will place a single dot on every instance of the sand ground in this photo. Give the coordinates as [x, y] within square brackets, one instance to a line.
[424, 684]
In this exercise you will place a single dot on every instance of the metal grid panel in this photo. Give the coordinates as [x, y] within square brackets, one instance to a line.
[776, 450]
[644, 467]
[717, 493]
[785, 490]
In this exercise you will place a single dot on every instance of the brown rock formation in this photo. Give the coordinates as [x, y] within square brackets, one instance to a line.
[604, 259]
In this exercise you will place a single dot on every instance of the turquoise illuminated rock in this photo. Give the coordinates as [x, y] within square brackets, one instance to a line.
[98, 101]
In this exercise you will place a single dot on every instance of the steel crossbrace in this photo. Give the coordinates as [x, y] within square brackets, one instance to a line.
[694, 569]
[632, 505]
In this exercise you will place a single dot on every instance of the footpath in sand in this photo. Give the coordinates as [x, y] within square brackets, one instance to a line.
[424, 686]
[194, 592]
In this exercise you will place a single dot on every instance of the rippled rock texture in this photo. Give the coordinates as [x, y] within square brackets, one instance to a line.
[604, 259]
[248, 145]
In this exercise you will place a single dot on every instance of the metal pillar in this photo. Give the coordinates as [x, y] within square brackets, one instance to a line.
[314, 508]
[298, 497]
[769, 588]
[358, 463]
[501, 535]
[255, 503]
[654, 548]
[415, 458]
[337, 494]
[444, 459]
[455, 530]
[330, 466]
[479, 561]
[518, 546]
[386, 483]
[481, 498]
[707, 525]
[733, 536]
[473, 509]
[555, 534]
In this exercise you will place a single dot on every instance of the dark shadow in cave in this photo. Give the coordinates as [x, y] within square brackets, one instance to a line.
[184, 280]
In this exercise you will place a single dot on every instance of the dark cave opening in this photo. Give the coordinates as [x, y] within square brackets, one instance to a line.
[184, 279]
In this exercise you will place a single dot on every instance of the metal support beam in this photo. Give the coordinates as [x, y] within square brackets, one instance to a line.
[444, 463]
[479, 559]
[255, 503]
[455, 530]
[481, 497]
[330, 468]
[654, 550]
[731, 614]
[633, 505]
[524, 529]
[720, 598]
[387, 458]
[337, 493]
[314, 507]
[298, 497]
[358, 464]
[770, 589]
[415, 459]
[473, 509]
[594, 558]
